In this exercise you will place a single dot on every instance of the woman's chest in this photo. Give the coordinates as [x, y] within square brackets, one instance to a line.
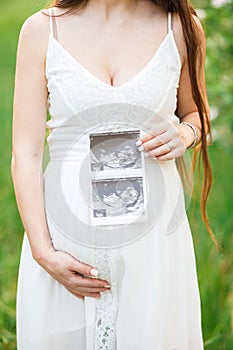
[72, 87]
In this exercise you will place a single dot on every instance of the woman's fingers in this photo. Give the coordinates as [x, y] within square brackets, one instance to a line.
[82, 273]
[158, 137]
[83, 295]
[84, 291]
[93, 290]
[164, 146]
[70, 272]
[87, 284]
[168, 147]
[84, 269]
[154, 142]
[93, 295]
[167, 156]
[92, 285]
[156, 129]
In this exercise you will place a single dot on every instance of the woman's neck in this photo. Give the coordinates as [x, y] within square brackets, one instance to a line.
[109, 8]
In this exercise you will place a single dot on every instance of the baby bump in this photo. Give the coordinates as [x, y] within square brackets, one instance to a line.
[68, 206]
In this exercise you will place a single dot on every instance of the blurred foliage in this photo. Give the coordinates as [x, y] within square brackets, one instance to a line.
[215, 267]
[215, 271]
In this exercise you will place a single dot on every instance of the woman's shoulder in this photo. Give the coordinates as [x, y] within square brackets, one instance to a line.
[179, 33]
[36, 25]
[34, 33]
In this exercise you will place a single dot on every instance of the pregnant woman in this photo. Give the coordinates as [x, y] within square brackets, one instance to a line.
[100, 66]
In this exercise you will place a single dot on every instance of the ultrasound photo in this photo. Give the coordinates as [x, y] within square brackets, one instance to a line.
[118, 197]
[115, 150]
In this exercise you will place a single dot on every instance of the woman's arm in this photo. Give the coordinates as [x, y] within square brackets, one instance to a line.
[158, 143]
[28, 137]
[186, 108]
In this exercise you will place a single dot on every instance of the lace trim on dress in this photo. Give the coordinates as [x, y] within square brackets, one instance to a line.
[106, 305]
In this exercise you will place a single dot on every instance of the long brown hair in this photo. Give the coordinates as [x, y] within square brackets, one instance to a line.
[196, 58]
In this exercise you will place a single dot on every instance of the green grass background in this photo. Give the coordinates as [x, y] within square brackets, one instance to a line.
[215, 272]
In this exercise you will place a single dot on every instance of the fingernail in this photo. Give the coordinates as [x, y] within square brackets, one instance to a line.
[155, 158]
[146, 154]
[94, 272]
[141, 148]
[107, 291]
[138, 143]
[107, 286]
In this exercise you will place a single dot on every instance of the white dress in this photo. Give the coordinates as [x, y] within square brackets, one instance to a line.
[154, 302]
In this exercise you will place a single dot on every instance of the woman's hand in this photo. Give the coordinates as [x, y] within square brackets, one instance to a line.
[78, 278]
[166, 140]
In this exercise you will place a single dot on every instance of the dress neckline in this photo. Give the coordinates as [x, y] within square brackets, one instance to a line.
[169, 34]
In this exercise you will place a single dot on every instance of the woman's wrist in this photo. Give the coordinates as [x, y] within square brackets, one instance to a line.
[43, 256]
[188, 134]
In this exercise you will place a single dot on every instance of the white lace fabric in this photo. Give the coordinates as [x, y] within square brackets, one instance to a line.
[106, 306]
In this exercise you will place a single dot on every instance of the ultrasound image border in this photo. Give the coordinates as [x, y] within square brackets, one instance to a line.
[118, 219]
[106, 138]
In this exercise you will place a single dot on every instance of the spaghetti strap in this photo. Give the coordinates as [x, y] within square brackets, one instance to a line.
[169, 22]
[53, 24]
